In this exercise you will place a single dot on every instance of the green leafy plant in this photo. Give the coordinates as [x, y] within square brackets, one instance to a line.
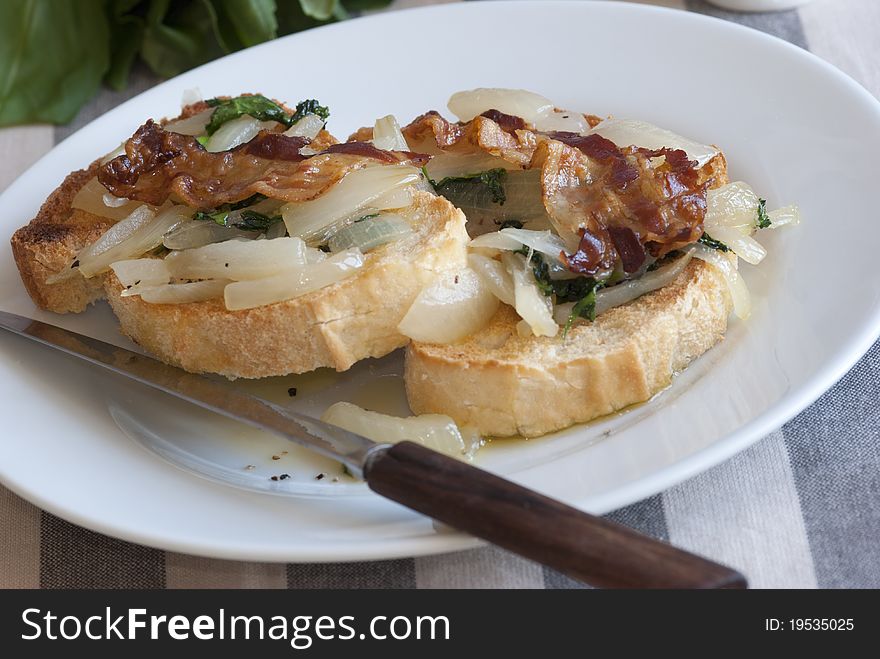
[54, 55]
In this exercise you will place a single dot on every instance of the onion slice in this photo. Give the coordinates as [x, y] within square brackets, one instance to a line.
[517, 102]
[198, 233]
[309, 127]
[742, 302]
[388, 136]
[237, 131]
[293, 283]
[494, 275]
[370, 233]
[532, 306]
[92, 198]
[545, 242]
[632, 132]
[140, 273]
[197, 291]
[319, 218]
[238, 260]
[615, 296]
[436, 431]
[139, 233]
[194, 125]
[456, 305]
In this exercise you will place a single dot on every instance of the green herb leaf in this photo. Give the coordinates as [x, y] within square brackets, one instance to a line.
[320, 9]
[310, 106]
[52, 58]
[258, 107]
[253, 221]
[126, 35]
[708, 241]
[565, 290]
[244, 23]
[492, 179]
[583, 308]
[179, 36]
[763, 218]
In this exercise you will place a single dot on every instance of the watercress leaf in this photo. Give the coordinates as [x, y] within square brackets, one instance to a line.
[763, 219]
[709, 241]
[243, 23]
[310, 106]
[491, 181]
[180, 35]
[52, 58]
[126, 35]
[321, 10]
[258, 107]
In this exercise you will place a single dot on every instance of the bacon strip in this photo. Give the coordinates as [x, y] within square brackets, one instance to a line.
[620, 203]
[158, 164]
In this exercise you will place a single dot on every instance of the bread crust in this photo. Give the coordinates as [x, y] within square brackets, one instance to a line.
[506, 385]
[52, 240]
[334, 327]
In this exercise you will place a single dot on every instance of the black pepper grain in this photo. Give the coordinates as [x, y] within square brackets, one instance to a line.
[319, 477]
[291, 392]
[284, 477]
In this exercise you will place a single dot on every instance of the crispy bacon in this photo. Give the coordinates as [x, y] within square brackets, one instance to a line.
[158, 164]
[508, 122]
[498, 135]
[621, 203]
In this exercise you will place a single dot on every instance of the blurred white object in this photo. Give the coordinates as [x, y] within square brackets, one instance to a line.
[759, 5]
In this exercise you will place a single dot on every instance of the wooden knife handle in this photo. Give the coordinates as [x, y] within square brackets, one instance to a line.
[583, 546]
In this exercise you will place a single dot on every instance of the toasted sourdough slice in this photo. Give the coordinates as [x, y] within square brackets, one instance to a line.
[335, 326]
[507, 385]
[52, 240]
[48, 244]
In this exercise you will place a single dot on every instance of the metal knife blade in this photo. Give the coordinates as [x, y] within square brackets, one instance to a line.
[211, 393]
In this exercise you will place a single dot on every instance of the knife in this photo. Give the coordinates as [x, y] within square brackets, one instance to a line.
[585, 547]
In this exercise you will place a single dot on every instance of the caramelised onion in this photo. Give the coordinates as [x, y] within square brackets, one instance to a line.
[632, 132]
[293, 283]
[456, 305]
[237, 131]
[436, 431]
[92, 198]
[785, 216]
[198, 233]
[135, 235]
[238, 259]
[376, 187]
[734, 205]
[140, 273]
[495, 276]
[744, 246]
[446, 164]
[563, 121]
[726, 264]
[194, 125]
[517, 102]
[309, 127]
[533, 108]
[545, 242]
[196, 291]
[370, 233]
[388, 136]
[533, 307]
[627, 291]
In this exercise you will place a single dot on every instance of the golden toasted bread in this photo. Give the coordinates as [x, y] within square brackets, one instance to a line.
[505, 385]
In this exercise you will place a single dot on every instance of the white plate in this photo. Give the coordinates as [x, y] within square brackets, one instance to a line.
[793, 126]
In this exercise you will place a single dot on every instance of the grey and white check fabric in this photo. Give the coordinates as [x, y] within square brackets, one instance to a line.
[799, 509]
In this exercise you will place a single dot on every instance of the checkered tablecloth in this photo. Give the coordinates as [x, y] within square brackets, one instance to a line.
[799, 509]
